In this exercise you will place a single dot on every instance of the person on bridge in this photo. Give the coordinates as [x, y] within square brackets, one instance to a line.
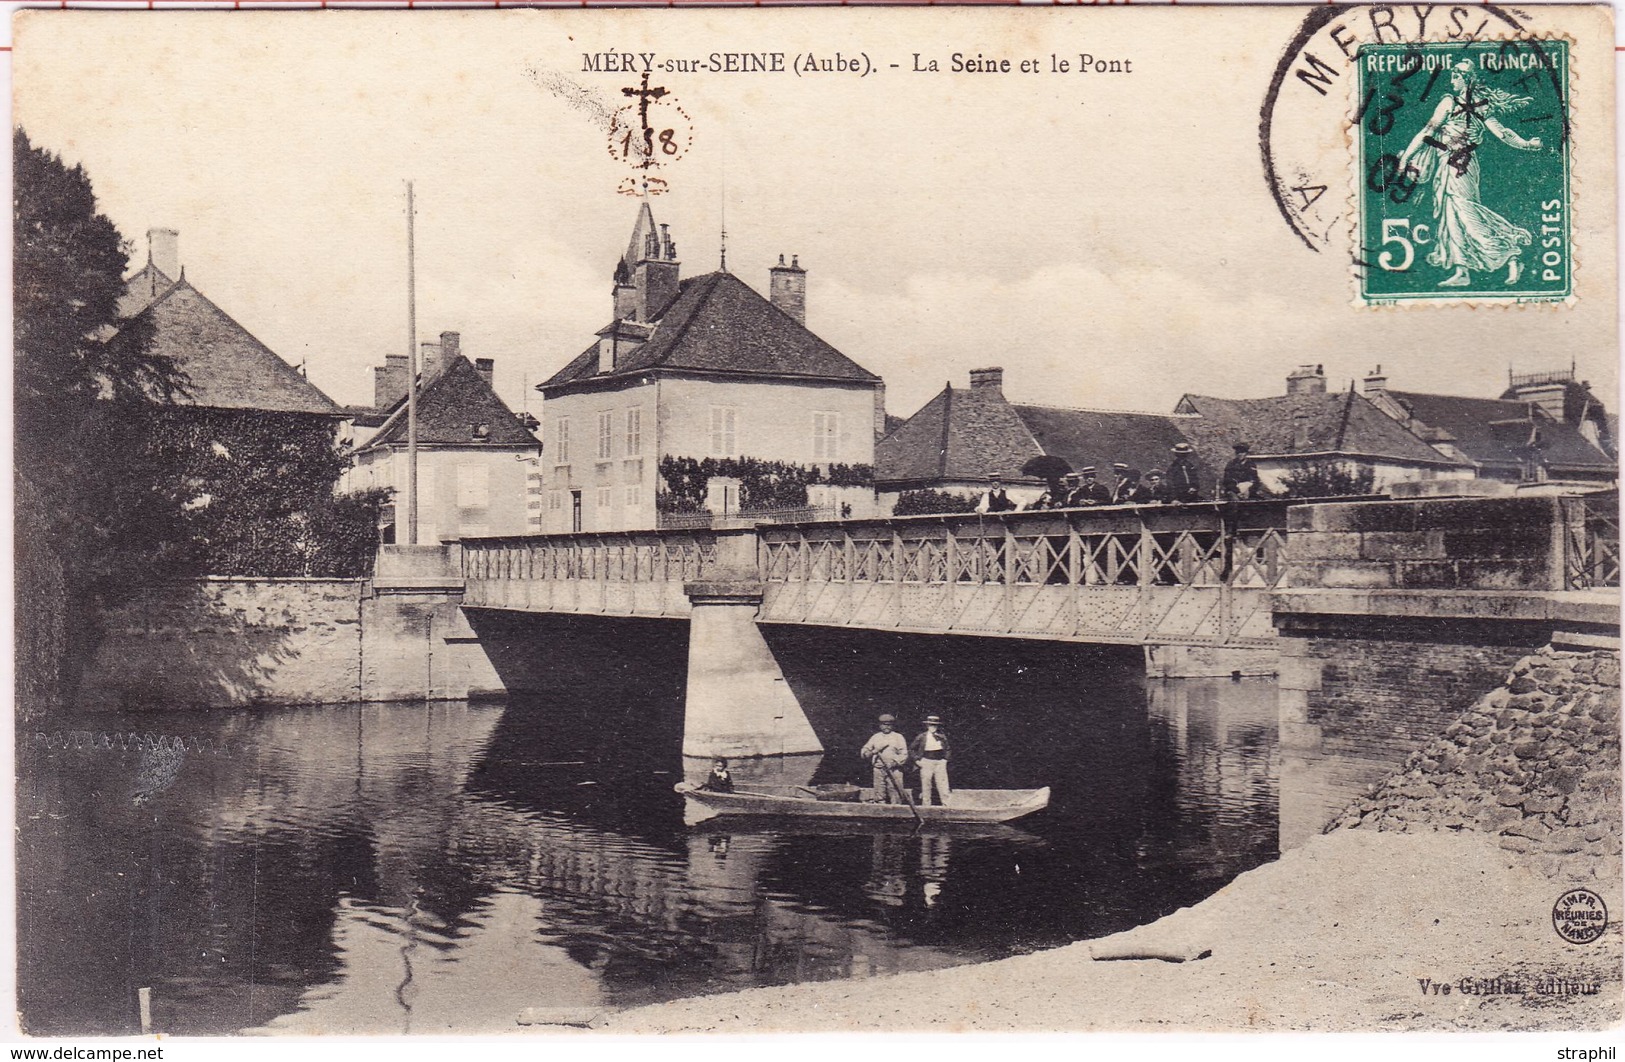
[930, 751]
[1181, 484]
[1089, 491]
[1240, 479]
[1128, 481]
[885, 753]
[1149, 492]
[994, 499]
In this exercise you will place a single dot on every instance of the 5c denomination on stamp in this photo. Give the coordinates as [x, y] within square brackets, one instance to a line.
[1463, 171]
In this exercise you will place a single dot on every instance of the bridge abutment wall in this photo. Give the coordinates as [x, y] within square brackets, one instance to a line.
[1397, 617]
[229, 641]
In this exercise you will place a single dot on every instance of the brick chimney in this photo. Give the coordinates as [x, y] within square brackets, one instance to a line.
[451, 346]
[991, 379]
[787, 288]
[1308, 380]
[487, 368]
[428, 360]
[165, 247]
[656, 275]
[389, 381]
[1376, 381]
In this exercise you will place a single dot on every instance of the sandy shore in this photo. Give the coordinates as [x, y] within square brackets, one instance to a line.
[1337, 935]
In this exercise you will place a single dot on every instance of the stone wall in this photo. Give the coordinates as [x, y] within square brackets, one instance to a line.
[222, 642]
[1455, 543]
[1356, 703]
[1535, 762]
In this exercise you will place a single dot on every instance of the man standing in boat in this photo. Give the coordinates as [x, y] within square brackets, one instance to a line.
[886, 752]
[930, 751]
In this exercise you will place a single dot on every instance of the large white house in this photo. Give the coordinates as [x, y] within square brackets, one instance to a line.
[694, 368]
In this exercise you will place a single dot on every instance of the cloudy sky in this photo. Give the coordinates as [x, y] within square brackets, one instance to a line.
[1107, 238]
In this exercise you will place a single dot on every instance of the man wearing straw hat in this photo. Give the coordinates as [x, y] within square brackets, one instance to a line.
[930, 751]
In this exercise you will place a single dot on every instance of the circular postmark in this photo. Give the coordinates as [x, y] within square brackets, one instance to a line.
[1310, 107]
[1579, 916]
[651, 131]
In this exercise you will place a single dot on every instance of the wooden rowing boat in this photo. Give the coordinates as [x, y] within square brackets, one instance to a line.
[850, 802]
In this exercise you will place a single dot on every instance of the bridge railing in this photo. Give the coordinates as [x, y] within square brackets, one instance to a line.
[1191, 573]
[630, 573]
[1591, 541]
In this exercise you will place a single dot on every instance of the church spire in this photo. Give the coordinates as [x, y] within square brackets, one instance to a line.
[646, 275]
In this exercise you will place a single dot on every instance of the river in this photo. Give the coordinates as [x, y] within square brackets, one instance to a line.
[434, 868]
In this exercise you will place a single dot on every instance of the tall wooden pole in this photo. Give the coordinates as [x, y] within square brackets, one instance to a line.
[411, 374]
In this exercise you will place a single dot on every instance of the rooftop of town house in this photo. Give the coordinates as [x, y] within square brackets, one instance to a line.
[225, 365]
[1496, 431]
[456, 406]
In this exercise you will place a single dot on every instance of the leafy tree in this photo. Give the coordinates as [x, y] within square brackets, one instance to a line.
[95, 514]
[1329, 479]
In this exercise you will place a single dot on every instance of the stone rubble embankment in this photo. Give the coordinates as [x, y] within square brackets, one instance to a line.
[1535, 764]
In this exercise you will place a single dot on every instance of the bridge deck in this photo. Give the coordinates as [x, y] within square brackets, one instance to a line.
[1192, 574]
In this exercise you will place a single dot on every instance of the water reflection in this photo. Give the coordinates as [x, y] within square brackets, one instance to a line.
[422, 869]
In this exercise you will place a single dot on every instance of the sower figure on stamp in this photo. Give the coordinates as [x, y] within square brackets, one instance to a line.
[1444, 153]
[930, 751]
[886, 752]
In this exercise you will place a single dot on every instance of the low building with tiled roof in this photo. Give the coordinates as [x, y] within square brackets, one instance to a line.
[964, 435]
[1545, 428]
[1308, 426]
[477, 460]
[698, 367]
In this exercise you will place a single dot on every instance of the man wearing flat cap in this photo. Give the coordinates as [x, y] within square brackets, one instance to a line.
[886, 752]
[930, 751]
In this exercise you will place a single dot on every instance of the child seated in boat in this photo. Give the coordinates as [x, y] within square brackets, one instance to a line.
[719, 780]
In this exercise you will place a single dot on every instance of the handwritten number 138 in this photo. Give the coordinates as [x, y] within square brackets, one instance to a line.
[667, 140]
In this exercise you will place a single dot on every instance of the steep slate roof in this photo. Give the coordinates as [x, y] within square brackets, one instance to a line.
[142, 289]
[225, 365]
[1100, 437]
[968, 434]
[1342, 422]
[962, 434]
[719, 324]
[450, 405]
[1489, 430]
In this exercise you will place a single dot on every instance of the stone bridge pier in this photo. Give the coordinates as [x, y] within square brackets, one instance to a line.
[738, 702]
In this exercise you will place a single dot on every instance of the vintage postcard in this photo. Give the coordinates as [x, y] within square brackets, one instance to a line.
[586, 521]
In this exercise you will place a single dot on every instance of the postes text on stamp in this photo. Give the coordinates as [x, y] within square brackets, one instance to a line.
[1463, 171]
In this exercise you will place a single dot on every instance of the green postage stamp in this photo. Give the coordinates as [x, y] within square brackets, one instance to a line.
[1463, 172]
